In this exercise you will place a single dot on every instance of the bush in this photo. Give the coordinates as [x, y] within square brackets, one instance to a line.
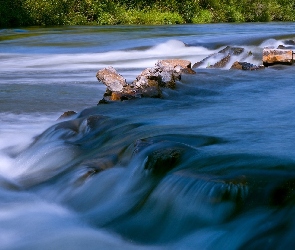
[79, 12]
[203, 16]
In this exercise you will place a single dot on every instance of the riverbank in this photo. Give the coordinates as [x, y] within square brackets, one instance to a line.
[21, 13]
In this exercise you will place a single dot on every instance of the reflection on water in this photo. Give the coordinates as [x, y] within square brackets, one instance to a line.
[208, 166]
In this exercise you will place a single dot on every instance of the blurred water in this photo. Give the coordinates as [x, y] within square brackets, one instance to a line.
[208, 166]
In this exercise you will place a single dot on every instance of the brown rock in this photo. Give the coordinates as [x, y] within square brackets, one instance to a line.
[237, 65]
[277, 56]
[121, 96]
[222, 63]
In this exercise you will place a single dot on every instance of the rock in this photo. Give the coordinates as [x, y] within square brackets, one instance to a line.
[225, 55]
[282, 47]
[246, 66]
[161, 161]
[277, 56]
[67, 114]
[111, 78]
[188, 71]
[222, 63]
[164, 74]
[289, 42]
[232, 50]
[174, 63]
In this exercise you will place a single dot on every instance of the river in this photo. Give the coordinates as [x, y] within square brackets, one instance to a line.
[103, 179]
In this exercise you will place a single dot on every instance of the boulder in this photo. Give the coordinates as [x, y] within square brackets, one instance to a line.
[277, 56]
[111, 78]
[174, 63]
[246, 66]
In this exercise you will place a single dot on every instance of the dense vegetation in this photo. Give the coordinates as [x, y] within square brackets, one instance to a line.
[79, 12]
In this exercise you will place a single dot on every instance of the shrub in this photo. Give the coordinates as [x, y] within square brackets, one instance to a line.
[80, 12]
[203, 16]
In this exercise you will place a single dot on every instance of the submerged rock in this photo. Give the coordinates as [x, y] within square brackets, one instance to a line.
[67, 114]
[222, 63]
[232, 50]
[282, 47]
[163, 160]
[246, 66]
[290, 42]
[225, 55]
[164, 74]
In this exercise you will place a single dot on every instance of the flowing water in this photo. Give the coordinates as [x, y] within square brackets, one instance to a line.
[211, 165]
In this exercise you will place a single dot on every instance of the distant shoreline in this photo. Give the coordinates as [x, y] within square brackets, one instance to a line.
[21, 13]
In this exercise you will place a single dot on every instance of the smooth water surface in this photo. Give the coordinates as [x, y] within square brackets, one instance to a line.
[211, 165]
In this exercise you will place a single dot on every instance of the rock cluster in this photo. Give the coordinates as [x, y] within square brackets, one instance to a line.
[149, 83]
[226, 55]
[166, 73]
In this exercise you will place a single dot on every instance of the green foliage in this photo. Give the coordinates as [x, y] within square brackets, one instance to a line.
[80, 12]
[203, 16]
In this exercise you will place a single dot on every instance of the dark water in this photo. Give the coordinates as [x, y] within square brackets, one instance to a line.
[211, 165]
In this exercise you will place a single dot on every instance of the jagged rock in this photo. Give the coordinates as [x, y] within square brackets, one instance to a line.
[232, 50]
[222, 63]
[225, 53]
[67, 114]
[277, 56]
[164, 74]
[111, 78]
[246, 66]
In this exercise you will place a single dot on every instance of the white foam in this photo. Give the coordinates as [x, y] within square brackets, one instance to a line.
[118, 59]
[16, 133]
[270, 43]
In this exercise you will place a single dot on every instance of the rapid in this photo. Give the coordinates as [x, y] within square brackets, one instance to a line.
[211, 165]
